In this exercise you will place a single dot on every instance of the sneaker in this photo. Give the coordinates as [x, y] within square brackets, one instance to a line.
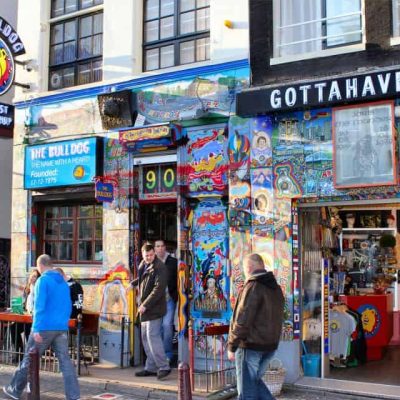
[9, 394]
[163, 373]
[145, 373]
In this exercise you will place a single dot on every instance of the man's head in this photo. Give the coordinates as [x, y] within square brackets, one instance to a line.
[160, 249]
[43, 263]
[253, 262]
[148, 253]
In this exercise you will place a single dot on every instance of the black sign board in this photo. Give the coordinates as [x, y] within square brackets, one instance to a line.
[357, 88]
[6, 117]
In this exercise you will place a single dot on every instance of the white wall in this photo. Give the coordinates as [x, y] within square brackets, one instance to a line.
[8, 11]
[6, 150]
[229, 43]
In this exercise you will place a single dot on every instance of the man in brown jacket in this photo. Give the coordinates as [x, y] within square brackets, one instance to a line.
[255, 329]
[152, 281]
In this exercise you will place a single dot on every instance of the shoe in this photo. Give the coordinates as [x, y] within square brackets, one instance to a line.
[7, 392]
[163, 373]
[145, 373]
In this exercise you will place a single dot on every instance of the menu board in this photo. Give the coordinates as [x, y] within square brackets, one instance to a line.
[363, 144]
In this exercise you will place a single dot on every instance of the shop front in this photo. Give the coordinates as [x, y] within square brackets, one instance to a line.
[103, 170]
[334, 161]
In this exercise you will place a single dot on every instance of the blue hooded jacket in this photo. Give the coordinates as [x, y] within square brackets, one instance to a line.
[52, 303]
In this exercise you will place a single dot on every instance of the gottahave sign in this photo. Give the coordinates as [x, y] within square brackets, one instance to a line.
[66, 163]
[356, 88]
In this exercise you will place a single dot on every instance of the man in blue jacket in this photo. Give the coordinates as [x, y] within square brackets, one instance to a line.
[51, 312]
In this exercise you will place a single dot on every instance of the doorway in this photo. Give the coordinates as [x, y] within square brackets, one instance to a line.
[350, 329]
[158, 221]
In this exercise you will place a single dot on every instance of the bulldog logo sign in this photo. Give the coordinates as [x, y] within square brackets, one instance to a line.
[10, 47]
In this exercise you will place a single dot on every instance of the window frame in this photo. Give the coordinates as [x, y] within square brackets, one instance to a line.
[42, 225]
[326, 50]
[96, 73]
[177, 39]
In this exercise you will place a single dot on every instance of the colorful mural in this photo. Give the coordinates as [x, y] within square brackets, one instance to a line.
[239, 247]
[115, 304]
[204, 158]
[210, 251]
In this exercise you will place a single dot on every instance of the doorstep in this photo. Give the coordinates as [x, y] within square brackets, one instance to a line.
[361, 389]
[112, 376]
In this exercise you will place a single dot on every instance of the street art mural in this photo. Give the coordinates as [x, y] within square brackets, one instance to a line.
[210, 245]
[115, 304]
[204, 159]
[239, 247]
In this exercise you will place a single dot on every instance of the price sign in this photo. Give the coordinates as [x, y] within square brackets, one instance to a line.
[158, 181]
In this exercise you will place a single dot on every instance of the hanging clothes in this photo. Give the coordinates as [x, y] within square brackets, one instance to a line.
[341, 327]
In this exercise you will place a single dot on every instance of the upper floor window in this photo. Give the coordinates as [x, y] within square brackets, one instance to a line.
[305, 26]
[175, 32]
[76, 43]
[396, 17]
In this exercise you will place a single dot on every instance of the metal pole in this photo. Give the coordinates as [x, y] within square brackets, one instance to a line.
[191, 354]
[122, 341]
[78, 342]
[33, 387]
[184, 387]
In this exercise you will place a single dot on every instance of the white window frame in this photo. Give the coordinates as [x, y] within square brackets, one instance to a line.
[65, 17]
[350, 48]
[395, 39]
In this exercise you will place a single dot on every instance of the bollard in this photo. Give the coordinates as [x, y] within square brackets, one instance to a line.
[33, 388]
[184, 386]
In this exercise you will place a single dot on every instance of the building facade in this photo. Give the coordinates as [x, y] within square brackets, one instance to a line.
[325, 83]
[8, 17]
[123, 137]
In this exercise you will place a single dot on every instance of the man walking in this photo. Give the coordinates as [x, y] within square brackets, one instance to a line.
[52, 308]
[152, 281]
[255, 329]
[171, 264]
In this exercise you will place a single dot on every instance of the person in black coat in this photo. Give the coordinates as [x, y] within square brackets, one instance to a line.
[76, 291]
[171, 294]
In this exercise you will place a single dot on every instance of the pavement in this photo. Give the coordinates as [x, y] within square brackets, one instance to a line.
[121, 384]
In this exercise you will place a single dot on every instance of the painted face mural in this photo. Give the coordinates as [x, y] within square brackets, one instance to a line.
[210, 244]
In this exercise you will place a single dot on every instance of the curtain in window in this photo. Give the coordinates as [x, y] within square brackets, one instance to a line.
[396, 17]
[294, 12]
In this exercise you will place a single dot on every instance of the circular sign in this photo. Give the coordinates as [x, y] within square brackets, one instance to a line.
[7, 69]
[371, 319]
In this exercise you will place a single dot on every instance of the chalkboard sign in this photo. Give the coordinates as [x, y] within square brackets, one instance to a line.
[363, 140]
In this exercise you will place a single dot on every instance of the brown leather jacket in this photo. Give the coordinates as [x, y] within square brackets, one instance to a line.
[152, 289]
[258, 315]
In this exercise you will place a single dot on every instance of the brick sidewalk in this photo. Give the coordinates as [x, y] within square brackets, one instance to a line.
[52, 388]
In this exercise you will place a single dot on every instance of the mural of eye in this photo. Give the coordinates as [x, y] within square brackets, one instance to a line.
[79, 172]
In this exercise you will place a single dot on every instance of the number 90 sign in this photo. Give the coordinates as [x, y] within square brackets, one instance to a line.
[159, 179]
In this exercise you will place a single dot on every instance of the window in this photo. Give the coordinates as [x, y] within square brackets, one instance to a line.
[396, 17]
[306, 26]
[76, 44]
[175, 32]
[73, 233]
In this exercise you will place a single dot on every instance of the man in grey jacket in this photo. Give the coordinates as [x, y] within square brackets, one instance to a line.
[152, 282]
[255, 328]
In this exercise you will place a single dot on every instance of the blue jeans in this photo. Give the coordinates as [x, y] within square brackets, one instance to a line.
[58, 340]
[168, 328]
[250, 368]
